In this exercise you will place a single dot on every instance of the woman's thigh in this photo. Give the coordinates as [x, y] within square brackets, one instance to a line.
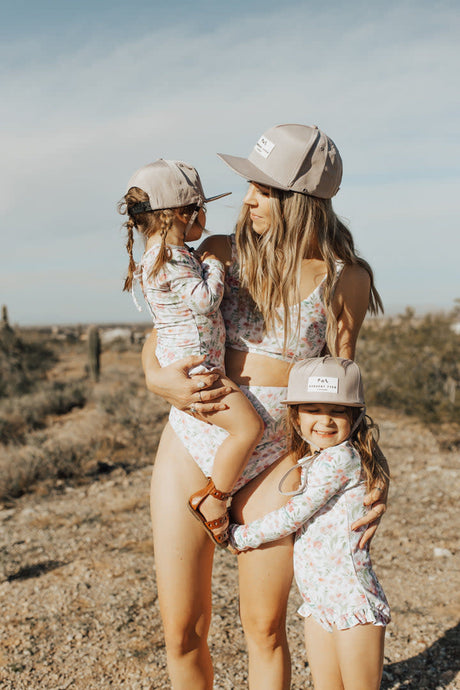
[266, 572]
[183, 551]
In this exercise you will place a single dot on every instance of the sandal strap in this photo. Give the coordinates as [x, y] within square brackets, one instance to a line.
[218, 522]
[220, 495]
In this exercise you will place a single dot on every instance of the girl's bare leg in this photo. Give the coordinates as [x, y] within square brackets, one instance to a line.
[345, 659]
[322, 656]
[183, 561]
[360, 653]
[265, 581]
[245, 429]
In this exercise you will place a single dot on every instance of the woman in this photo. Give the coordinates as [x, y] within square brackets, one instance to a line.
[295, 287]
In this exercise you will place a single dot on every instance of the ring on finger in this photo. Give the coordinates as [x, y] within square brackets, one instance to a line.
[199, 393]
[193, 409]
[201, 384]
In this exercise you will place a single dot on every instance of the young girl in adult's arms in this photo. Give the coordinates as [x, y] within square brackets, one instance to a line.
[344, 606]
[165, 203]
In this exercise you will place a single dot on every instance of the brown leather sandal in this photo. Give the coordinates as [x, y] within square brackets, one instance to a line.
[194, 503]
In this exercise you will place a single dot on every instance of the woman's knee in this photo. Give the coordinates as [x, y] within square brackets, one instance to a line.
[184, 637]
[262, 630]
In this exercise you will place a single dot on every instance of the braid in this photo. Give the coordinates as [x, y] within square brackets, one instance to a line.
[165, 218]
[147, 223]
[129, 248]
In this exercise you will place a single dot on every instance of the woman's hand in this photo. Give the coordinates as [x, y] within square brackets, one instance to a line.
[187, 393]
[377, 498]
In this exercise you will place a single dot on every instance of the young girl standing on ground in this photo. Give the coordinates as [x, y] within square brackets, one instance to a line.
[165, 203]
[344, 606]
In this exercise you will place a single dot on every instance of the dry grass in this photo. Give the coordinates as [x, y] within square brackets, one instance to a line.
[64, 427]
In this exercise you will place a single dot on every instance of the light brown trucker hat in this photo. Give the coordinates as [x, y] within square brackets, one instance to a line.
[325, 380]
[296, 158]
[169, 184]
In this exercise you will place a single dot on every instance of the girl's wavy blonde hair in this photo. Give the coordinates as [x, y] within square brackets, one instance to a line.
[147, 224]
[270, 264]
[364, 439]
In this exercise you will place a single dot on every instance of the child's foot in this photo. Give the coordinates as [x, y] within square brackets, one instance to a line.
[209, 506]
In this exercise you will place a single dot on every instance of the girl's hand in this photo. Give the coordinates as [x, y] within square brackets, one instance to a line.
[377, 498]
[208, 255]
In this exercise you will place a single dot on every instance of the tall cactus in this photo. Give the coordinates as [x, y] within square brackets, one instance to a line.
[7, 335]
[94, 353]
[5, 321]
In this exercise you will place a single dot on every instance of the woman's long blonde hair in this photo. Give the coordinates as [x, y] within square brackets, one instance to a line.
[364, 439]
[147, 223]
[301, 227]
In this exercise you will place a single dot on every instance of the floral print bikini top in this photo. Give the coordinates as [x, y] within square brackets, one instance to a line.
[245, 325]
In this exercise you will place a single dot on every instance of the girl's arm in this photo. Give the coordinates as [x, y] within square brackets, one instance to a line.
[201, 287]
[173, 384]
[327, 476]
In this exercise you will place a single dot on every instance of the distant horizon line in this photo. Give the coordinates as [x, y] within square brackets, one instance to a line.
[391, 310]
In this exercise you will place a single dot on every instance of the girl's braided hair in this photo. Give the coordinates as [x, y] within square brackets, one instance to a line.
[147, 223]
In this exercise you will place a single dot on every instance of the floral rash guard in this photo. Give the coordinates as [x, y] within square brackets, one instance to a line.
[334, 576]
[184, 300]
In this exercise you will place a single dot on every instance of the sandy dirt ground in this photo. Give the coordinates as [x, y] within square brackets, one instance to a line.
[77, 583]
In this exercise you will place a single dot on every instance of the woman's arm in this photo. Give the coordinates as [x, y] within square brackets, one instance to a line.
[350, 303]
[351, 300]
[175, 385]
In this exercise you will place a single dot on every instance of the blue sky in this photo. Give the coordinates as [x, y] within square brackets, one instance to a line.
[92, 91]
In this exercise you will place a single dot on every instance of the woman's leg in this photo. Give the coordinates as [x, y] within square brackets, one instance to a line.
[183, 561]
[265, 581]
[349, 659]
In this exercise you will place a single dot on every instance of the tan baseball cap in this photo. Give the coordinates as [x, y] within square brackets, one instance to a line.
[295, 158]
[169, 184]
[325, 380]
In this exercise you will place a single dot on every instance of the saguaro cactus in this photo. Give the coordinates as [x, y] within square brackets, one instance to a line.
[5, 321]
[7, 334]
[94, 353]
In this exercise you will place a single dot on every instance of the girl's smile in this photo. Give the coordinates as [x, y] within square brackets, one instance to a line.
[323, 424]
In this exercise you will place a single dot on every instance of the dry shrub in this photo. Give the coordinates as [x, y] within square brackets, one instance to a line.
[63, 454]
[413, 365]
[21, 414]
[22, 364]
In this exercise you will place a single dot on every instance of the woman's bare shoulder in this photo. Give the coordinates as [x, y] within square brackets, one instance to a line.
[219, 245]
[355, 278]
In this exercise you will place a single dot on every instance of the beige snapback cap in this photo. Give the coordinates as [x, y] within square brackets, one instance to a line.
[169, 184]
[296, 158]
[325, 380]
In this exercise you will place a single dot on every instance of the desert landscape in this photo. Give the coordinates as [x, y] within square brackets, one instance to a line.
[77, 579]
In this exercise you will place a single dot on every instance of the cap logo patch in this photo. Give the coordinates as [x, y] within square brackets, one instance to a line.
[264, 147]
[323, 384]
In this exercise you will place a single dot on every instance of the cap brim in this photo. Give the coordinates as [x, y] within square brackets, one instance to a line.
[217, 196]
[244, 167]
[328, 402]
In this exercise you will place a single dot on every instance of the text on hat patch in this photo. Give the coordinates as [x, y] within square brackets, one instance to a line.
[264, 147]
[323, 384]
